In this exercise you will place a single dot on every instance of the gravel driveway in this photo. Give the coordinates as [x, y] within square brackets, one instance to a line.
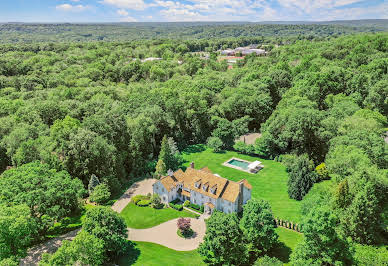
[142, 187]
[166, 234]
[34, 254]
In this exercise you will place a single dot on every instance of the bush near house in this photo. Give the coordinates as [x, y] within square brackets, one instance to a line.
[144, 203]
[177, 207]
[100, 194]
[137, 198]
[186, 204]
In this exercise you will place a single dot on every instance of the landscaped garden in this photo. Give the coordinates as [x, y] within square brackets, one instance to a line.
[270, 183]
[145, 217]
[145, 253]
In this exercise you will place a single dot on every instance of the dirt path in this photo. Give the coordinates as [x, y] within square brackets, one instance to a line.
[34, 254]
[142, 187]
[166, 234]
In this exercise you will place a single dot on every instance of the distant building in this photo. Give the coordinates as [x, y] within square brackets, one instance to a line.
[243, 50]
[151, 59]
[202, 187]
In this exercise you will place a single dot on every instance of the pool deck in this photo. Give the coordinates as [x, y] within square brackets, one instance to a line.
[227, 164]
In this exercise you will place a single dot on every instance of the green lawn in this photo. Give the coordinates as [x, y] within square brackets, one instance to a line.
[288, 240]
[270, 183]
[145, 253]
[146, 217]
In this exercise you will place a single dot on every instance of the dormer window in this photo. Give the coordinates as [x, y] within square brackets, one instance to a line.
[213, 189]
[205, 186]
[198, 183]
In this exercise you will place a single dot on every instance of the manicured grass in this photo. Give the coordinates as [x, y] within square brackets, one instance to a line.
[145, 253]
[146, 217]
[269, 183]
[290, 238]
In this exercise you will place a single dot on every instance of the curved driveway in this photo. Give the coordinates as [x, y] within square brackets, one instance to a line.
[166, 234]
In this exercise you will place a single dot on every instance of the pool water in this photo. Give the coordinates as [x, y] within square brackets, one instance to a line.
[241, 164]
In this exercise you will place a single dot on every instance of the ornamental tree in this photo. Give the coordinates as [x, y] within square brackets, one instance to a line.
[183, 224]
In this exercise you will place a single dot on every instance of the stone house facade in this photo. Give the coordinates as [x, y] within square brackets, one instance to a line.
[202, 187]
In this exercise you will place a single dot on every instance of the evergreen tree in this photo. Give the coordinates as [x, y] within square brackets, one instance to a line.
[93, 182]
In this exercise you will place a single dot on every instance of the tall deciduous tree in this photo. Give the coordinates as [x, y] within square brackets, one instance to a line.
[107, 225]
[17, 230]
[321, 244]
[258, 226]
[49, 194]
[223, 243]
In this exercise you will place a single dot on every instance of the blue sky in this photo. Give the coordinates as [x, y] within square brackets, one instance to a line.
[189, 10]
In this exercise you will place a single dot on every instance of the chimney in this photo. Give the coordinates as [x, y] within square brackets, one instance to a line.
[192, 165]
[241, 195]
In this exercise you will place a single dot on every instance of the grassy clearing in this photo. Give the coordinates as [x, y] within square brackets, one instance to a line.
[145, 253]
[269, 184]
[146, 217]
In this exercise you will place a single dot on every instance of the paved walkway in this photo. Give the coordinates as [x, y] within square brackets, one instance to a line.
[142, 187]
[166, 234]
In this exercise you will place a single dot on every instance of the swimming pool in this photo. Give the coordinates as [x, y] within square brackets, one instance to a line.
[238, 163]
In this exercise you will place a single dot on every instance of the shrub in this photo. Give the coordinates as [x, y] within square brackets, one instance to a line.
[195, 206]
[201, 209]
[322, 172]
[268, 261]
[156, 203]
[186, 204]
[215, 143]
[144, 203]
[100, 194]
[177, 207]
[244, 148]
[137, 198]
[175, 201]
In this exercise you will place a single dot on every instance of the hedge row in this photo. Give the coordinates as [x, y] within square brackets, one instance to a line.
[177, 207]
[144, 203]
[137, 198]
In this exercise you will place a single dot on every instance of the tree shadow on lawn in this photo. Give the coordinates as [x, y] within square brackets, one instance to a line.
[194, 149]
[280, 251]
[132, 253]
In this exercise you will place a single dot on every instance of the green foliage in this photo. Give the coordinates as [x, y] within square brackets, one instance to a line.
[93, 182]
[244, 148]
[215, 143]
[107, 225]
[143, 203]
[100, 194]
[168, 156]
[161, 168]
[257, 225]
[301, 176]
[223, 242]
[85, 249]
[156, 202]
[135, 199]
[321, 244]
[268, 261]
[322, 172]
[186, 203]
[177, 207]
[42, 190]
[17, 230]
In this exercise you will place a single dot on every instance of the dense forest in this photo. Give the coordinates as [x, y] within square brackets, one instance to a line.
[77, 109]
[24, 32]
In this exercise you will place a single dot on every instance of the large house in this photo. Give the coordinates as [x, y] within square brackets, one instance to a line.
[202, 187]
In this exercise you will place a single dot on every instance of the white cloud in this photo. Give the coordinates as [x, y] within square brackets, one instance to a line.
[128, 19]
[72, 8]
[128, 4]
[122, 12]
[74, 0]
